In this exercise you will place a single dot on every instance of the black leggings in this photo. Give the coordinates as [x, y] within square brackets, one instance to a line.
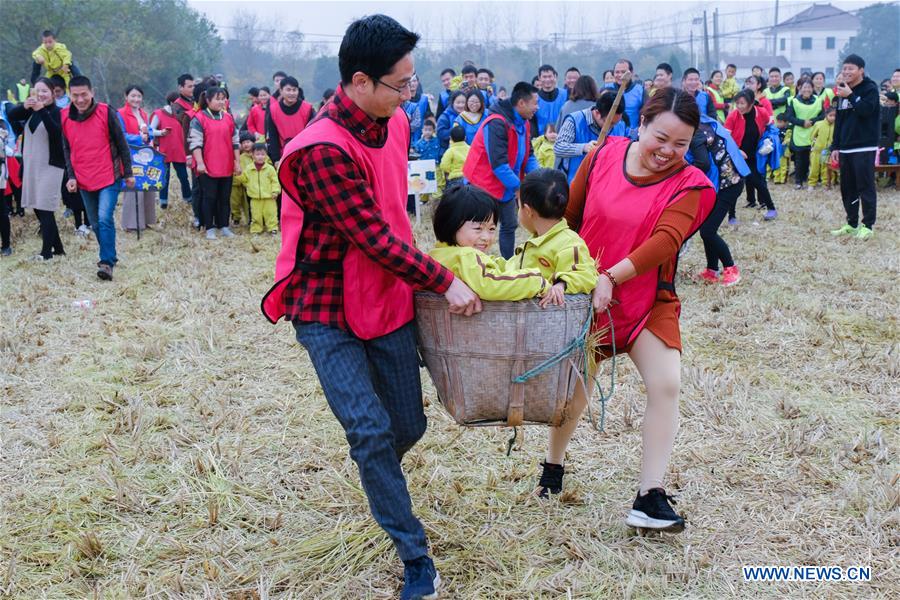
[715, 247]
[801, 165]
[4, 223]
[216, 201]
[51, 244]
[757, 183]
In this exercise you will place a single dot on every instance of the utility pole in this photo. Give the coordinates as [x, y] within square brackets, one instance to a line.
[705, 43]
[775, 33]
[692, 48]
[715, 39]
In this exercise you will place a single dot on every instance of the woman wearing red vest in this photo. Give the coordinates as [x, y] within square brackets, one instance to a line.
[634, 204]
[138, 206]
[97, 158]
[286, 117]
[214, 143]
[346, 271]
[165, 127]
[256, 119]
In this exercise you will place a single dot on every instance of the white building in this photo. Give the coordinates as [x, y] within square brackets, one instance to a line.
[812, 40]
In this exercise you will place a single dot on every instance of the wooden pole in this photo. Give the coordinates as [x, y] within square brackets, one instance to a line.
[607, 122]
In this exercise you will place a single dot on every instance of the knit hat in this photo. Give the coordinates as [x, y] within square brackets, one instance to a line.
[855, 59]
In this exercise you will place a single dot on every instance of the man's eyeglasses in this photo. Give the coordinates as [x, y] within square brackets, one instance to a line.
[399, 90]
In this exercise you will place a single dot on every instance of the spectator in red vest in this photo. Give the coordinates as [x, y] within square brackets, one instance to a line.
[138, 206]
[97, 158]
[256, 119]
[214, 142]
[286, 118]
[169, 137]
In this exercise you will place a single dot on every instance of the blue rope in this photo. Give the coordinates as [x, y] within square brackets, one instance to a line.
[577, 343]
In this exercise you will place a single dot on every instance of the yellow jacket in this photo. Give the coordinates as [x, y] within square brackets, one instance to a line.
[454, 158]
[543, 151]
[54, 60]
[488, 276]
[822, 135]
[730, 88]
[261, 184]
[561, 256]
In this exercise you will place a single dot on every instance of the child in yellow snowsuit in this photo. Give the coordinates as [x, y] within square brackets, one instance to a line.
[240, 207]
[543, 147]
[821, 138]
[54, 57]
[455, 157]
[260, 180]
[781, 173]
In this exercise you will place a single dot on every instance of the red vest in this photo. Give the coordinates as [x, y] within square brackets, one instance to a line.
[171, 146]
[289, 126]
[477, 168]
[91, 151]
[218, 145]
[131, 123]
[375, 301]
[256, 120]
[620, 216]
[186, 105]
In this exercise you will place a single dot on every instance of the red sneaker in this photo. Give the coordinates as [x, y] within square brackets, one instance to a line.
[730, 275]
[708, 276]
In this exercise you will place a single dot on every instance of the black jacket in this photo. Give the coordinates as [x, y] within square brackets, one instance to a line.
[50, 115]
[858, 122]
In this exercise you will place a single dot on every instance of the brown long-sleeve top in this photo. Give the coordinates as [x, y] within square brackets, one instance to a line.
[660, 249]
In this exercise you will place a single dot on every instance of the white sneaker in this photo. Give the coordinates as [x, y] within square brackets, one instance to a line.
[211, 234]
[83, 231]
[226, 232]
[196, 222]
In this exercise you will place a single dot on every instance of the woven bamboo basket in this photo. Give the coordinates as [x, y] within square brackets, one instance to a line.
[474, 360]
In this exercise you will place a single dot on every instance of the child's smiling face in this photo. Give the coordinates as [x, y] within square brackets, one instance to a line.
[246, 146]
[473, 234]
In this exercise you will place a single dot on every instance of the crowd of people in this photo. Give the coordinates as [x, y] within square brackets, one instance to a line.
[606, 215]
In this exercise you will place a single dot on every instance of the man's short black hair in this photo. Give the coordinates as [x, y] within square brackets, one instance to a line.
[665, 67]
[448, 70]
[756, 67]
[483, 70]
[605, 102]
[545, 68]
[469, 69]
[459, 205]
[291, 81]
[279, 74]
[786, 73]
[47, 33]
[184, 78]
[265, 88]
[522, 91]
[627, 62]
[254, 91]
[373, 45]
[457, 134]
[688, 71]
[571, 69]
[775, 70]
[80, 81]
[731, 66]
[854, 59]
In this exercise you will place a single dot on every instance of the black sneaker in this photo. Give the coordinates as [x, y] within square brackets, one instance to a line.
[551, 479]
[750, 205]
[652, 511]
[104, 271]
[420, 579]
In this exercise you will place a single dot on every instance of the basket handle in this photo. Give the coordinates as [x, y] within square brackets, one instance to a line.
[515, 414]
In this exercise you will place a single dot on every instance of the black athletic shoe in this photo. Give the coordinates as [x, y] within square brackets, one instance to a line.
[104, 271]
[750, 205]
[551, 479]
[652, 511]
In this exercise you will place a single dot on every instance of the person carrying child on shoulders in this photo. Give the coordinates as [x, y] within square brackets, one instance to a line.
[259, 181]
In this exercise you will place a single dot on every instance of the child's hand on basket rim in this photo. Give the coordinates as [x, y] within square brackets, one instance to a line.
[556, 295]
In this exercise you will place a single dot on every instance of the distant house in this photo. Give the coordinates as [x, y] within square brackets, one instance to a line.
[812, 40]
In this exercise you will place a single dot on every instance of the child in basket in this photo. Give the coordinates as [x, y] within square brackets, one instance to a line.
[555, 250]
[465, 224]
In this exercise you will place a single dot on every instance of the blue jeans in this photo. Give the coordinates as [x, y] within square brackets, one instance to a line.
[509, 222]
[181, 171]
[374, 390]
[101, 208]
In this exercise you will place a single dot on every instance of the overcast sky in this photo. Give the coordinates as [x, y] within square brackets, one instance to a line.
[620, 22]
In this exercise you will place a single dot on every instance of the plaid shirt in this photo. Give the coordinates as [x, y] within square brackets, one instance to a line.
[340, 210]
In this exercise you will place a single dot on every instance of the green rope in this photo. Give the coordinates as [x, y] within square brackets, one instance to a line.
[577, 343]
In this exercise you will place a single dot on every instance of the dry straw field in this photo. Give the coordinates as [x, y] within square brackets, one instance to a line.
[170, 443]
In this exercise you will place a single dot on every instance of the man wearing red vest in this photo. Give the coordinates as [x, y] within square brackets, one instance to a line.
[501, 156]
[286, 117]
[97, 158]
[347, 268]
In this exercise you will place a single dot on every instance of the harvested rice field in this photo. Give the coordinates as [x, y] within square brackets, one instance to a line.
[170, 443]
